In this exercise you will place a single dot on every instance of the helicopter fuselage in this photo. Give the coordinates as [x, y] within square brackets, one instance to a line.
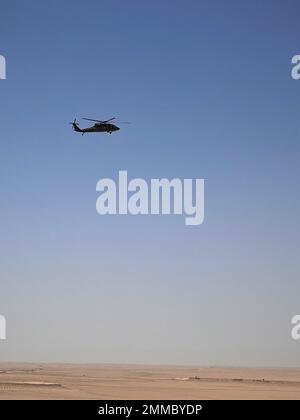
[97, 128]
[101, 128]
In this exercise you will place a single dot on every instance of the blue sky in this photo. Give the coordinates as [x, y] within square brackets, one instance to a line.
[207, 88]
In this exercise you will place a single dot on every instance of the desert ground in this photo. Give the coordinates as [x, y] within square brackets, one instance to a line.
[74, 381]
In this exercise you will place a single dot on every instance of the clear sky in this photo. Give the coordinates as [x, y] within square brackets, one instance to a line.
[207, 88]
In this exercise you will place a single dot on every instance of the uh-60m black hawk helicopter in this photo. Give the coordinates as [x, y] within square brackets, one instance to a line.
[100, 126]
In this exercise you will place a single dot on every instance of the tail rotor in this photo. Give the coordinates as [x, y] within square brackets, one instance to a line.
[75, 126]
[73, 123]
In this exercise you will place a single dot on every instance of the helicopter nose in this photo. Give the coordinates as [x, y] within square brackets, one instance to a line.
[117, 128]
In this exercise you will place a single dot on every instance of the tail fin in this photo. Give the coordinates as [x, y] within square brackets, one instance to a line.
[75, 126]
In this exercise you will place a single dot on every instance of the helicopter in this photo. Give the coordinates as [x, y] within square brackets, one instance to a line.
[105, 126]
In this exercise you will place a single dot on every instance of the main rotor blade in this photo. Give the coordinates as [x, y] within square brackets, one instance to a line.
[100, 121]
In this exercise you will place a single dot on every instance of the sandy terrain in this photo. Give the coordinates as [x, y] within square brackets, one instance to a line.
[68, 381]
